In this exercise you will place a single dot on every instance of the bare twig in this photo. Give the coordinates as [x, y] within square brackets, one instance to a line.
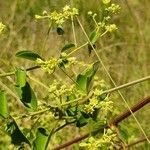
[127, 113]
[13, 72]
[137, 142]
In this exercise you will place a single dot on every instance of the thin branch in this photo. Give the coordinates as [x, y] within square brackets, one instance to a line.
[137, 142]
[13, 72]
[115, 121]
[127, 113]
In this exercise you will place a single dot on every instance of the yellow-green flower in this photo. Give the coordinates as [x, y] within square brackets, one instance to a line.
[2, 28]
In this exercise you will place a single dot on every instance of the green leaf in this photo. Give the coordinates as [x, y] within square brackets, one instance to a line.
[71, 111]
[81, 121]
[94, 36]
[60, 31]
[67, 46]
[70, 97]
[83, 80]
[20, 77]
[3, 105]
[28, 55]
[40, 142]
[17, 137]
[90, 72]
[27, 96]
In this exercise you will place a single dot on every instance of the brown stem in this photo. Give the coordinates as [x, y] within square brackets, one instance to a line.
[32, 68]
[127, 113]
[115, 122]
[137, 142]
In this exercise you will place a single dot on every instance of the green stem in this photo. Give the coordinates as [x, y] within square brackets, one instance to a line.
[77, 48]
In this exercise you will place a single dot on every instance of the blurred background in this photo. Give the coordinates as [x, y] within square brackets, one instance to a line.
[125, 53]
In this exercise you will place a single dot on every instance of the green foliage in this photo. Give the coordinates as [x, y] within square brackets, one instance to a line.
[94, 36]
[28, 55]
[3, 105]
[83, 80]
[41, 139]
[24, 90]
[17, 137]
[81, 121]
[67, 47]
[20, 77]
[27, 96]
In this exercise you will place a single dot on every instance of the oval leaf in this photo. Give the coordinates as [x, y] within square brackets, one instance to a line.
[67, 46]
[17, 137]
[81, 121]
[83, 80]
[27, 96]
[3, 105]
[40, 142]
[20, 77]
[28, 55]
[94, 36]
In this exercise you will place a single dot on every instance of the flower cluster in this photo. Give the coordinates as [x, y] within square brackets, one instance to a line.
[111, 27]
[98, 99]
[59, 17]
[105, 23]
[2, 28]
[113, 8]
[57, 89]
[49, 66]
[91, 106]
[109, 140]
[60, 92]
[46, 118]
[106, 106]
[63, 61]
